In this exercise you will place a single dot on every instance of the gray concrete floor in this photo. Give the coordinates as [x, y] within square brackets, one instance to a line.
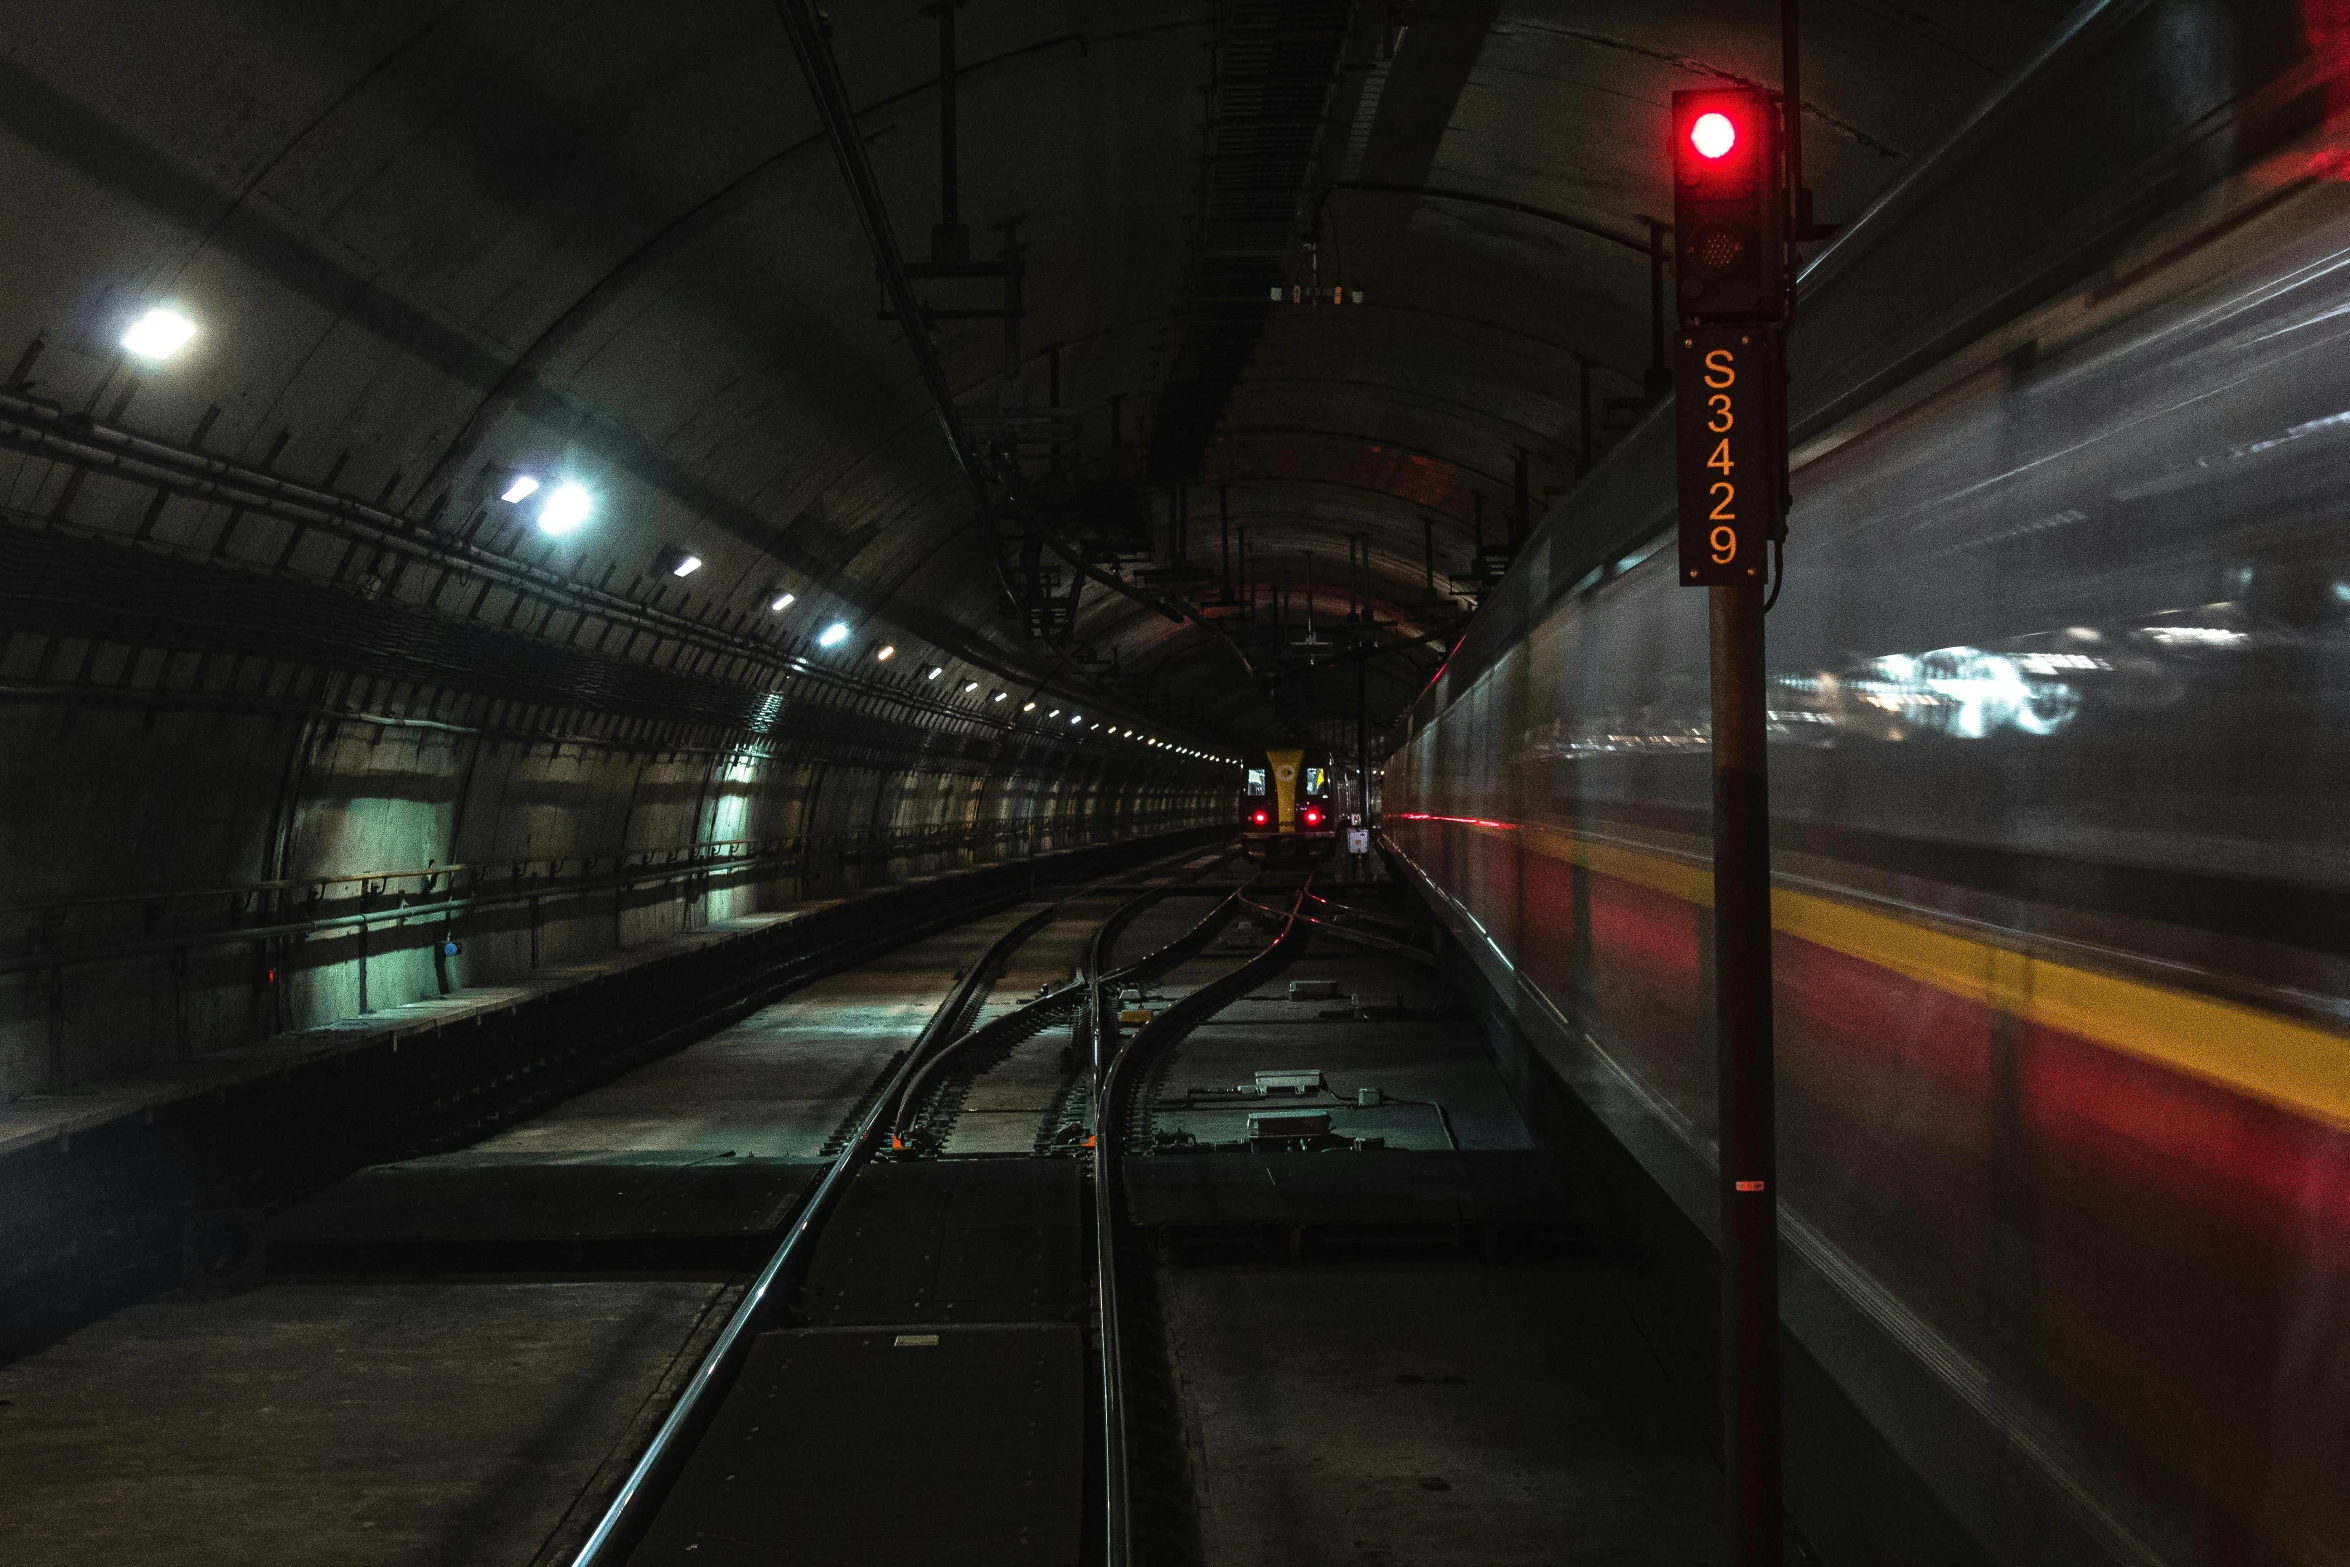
[775, 1085]
[384, 1422]
[1423, 1062]
[1433, 1414]
[314, 1425]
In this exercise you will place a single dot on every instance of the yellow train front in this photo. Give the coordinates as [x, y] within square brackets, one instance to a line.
[1285, 815]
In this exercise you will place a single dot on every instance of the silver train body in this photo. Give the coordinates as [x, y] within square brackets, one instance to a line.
[2060, 722]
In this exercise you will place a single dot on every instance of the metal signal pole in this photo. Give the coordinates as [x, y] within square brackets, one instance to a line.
[1734, 215]
[1748, 1138]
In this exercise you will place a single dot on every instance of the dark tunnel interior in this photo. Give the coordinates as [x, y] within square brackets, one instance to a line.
[593, 588]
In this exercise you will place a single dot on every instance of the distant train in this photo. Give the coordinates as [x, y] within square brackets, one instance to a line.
[1286, 816]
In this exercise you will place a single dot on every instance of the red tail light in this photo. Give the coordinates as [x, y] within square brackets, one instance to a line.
[1258, 818]
[1313, 817]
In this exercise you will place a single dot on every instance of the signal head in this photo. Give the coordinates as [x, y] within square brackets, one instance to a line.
[1728, 206]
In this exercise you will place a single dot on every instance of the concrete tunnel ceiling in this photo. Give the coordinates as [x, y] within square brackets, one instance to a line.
[432, 245]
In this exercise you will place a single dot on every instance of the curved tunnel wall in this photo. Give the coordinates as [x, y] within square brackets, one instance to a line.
[189, 872]
[290, 699]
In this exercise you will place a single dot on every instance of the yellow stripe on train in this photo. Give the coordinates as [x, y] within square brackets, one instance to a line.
[2301, 1066]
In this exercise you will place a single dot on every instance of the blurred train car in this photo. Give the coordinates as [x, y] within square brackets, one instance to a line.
[1285, 813]
[2060, 724]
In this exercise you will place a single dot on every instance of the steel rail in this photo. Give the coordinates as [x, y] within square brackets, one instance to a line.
[1108, 1152]
[1014, 1026]
[1370, 943]
[633, 1508]
[639, 1499]
[1027, 1019]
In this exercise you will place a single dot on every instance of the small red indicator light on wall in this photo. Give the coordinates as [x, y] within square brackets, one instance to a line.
[1713, 135]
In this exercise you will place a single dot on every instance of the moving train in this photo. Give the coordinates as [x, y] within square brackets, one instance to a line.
[1286, 812]
[2060, 750]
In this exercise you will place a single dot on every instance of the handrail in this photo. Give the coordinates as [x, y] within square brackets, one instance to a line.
[340, 915]
[428, 874]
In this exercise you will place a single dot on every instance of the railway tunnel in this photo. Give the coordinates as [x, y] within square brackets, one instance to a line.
[925, 782]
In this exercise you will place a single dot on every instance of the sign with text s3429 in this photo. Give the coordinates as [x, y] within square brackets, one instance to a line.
[1731, 450]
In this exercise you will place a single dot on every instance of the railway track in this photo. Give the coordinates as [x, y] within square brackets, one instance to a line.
[807, 1344]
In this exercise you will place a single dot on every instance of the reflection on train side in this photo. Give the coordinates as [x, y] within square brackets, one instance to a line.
[2061, 706]
[2038, 685]
[1962, 692]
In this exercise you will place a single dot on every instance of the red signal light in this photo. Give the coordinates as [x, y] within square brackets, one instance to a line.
[1258, 818]
[1713, 134]
[1313, 817]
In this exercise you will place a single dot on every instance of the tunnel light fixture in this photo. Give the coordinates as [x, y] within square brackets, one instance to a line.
[565, 509]
[833, 635]
[781, 602]
[1055, 713]
[1028, 707]
[1000, 696]
[158, 335]
[681, 563]
[934, 671]
[1079, 718]
[884, 653]
[970, 686]
[521, 489]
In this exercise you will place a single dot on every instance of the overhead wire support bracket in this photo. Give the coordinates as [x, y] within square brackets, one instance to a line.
[811, 45]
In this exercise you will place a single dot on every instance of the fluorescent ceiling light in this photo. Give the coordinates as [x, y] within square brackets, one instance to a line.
[970, 686]
[933, 672]
[833, 635]
[999, 696]
[522, 489]
[884, 653]
[686, 566]
[565, 508]
[158, 335]
[1028, 707]
[783, 601]
[1077, 718]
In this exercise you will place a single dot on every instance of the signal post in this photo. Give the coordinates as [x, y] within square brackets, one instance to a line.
[1730, 220]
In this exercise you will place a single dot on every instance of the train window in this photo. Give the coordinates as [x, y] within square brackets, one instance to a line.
[1256, 780]
[1317, 780]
